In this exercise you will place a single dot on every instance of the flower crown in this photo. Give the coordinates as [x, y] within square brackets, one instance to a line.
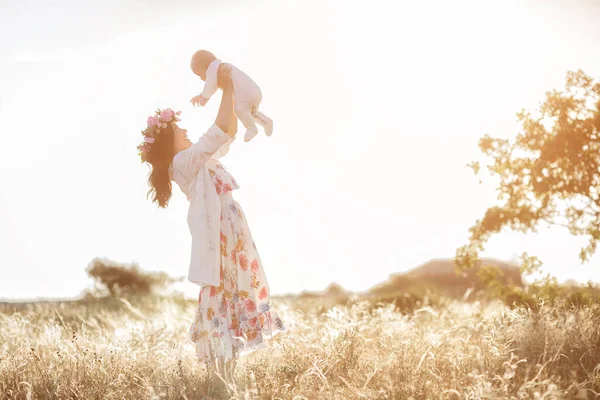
[156, 122]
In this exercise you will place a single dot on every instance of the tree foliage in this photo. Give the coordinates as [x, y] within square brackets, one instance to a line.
[126, 280]
[548, 174]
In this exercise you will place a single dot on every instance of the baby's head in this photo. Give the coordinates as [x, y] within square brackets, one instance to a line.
[200, 62]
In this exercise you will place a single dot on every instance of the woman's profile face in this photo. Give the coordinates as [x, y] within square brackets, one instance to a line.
[180, 139]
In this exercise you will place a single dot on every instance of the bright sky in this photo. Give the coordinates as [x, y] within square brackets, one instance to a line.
[377, 108]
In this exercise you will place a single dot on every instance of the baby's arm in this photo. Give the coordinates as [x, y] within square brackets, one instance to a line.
[211, 84]
[198, 100]
[213, 77]
[210, 87]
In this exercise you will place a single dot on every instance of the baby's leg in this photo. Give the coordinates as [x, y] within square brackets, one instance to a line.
[264, 121]
[244, 113]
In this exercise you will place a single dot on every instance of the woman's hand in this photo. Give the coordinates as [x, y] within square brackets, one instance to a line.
[224, 76]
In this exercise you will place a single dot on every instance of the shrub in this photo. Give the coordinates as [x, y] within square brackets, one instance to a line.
[126, 279]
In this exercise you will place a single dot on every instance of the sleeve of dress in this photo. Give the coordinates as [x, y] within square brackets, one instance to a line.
[211, 83]
[210, 143]
[224, 149]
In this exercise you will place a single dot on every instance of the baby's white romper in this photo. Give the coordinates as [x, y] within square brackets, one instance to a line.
[247, 97]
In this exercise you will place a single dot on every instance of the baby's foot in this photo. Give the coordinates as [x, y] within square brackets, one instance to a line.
[268, 126]
[265, 122]
[250, 133]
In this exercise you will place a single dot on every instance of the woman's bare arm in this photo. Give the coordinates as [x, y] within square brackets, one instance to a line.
[225, 118]
[233, 124]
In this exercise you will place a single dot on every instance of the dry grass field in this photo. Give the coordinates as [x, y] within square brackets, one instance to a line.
[138, 349]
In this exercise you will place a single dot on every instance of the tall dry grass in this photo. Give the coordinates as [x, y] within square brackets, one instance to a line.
[113, 349]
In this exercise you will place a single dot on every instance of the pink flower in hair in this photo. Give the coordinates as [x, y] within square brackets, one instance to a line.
[166, 114]
[153, 121]
[149, 139]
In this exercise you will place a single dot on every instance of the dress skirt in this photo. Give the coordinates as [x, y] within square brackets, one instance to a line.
[236, 317]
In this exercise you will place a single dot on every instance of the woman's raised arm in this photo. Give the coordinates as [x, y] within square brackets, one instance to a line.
[216, 141]
[225, 114]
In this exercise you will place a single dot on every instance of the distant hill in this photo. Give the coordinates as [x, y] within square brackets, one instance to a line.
[439, 274]
[333, 289]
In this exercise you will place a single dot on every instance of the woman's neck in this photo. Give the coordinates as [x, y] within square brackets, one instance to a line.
[183, 146]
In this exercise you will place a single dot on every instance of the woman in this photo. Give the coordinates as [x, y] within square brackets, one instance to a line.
[234, 315]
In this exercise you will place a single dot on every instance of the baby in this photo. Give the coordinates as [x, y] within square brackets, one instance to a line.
[247, 95]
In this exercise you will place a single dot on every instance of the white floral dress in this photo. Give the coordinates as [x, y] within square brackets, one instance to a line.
[234, 318]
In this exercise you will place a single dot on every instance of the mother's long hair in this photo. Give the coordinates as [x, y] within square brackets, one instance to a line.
[160, 156]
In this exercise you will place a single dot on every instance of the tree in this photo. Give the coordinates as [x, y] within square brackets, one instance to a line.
[548, 174]
[120, 280]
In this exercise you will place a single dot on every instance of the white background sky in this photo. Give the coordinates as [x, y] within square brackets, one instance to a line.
[377, 107]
